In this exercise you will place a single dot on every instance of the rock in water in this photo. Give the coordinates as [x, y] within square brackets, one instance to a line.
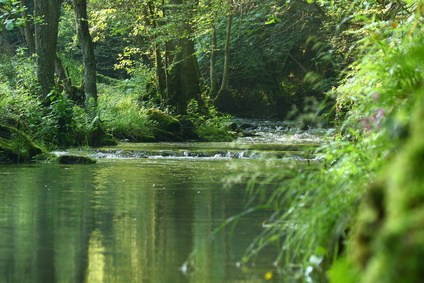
[73, 159]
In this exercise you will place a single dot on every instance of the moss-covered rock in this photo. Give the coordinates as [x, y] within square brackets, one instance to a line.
[163, 120]
[74, 159]
[164, 126]
[97, 136]
[16, 146]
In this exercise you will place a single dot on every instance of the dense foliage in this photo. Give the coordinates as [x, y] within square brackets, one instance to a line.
[358, 211]
[168, 70]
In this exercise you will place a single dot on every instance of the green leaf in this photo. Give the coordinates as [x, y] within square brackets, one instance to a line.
[9, 25]
[270, 22]
[273, 20]
[3, 1]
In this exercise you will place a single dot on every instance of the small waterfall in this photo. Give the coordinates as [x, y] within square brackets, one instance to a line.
[257, 139]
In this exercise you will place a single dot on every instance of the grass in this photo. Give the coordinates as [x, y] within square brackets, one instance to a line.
[315, 211]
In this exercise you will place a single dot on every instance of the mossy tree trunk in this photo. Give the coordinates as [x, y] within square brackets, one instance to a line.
[16, 146]
[46, 33]
[183, 75]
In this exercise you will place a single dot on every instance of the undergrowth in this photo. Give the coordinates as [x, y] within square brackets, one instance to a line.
[121, 112]
[315, 209]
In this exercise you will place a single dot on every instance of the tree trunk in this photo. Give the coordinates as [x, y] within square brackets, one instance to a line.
[45, 45]
[150, 19]
[26, 28]
[64, 78]
[224, 84]
[223, 99]
[89, 60]
[213, 91]
[184, 74]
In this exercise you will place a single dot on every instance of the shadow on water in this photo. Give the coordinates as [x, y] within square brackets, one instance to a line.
[132, 218]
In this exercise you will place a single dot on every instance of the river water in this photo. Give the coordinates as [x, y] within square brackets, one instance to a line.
[140, 211]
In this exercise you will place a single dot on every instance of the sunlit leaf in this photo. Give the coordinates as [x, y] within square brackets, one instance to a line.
[272, 21]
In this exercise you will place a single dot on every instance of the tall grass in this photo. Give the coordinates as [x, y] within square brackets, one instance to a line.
[121, 110]
[315, 209]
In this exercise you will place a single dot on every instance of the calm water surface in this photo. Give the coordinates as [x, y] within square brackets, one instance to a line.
[130, 219]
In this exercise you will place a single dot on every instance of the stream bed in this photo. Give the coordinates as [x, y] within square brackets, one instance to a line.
[142, 209]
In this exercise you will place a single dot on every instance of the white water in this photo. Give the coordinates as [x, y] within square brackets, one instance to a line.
[257, 139]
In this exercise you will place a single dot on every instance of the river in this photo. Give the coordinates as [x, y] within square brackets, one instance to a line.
[142, 209]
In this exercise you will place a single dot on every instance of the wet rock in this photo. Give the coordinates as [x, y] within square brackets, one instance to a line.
[246, 126]
[233, 127]
[75, 159]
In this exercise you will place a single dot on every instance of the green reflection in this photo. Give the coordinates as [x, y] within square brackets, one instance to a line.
[121, 221]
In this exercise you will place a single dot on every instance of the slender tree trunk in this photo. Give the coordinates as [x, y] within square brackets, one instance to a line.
[160, 72]
[26, 28]
[213, 91]
[89, 60]
[223, 98]
[64, 78]
[150, 19]
[45, 44]
[224, 84]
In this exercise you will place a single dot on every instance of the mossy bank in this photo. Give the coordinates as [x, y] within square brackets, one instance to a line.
[16, 146]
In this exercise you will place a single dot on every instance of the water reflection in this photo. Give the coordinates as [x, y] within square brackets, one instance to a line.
[123, 221]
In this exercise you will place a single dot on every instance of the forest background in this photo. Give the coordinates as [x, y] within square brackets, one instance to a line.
[78, 73]
[193, 60]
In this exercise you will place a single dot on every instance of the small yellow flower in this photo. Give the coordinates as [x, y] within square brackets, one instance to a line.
[268, 275]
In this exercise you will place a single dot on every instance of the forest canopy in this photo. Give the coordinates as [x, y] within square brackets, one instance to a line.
[232, 55]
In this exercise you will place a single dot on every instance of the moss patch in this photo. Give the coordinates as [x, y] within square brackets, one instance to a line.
[164, 126]
[16, 146]
[390, 234]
